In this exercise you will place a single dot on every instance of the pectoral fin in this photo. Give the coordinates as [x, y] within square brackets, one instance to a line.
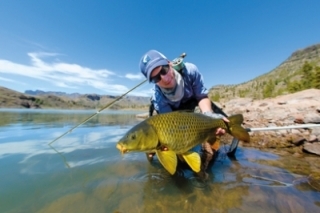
[168, 159]
[193, 160]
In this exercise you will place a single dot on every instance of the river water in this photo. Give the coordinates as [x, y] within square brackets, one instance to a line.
[84, 172]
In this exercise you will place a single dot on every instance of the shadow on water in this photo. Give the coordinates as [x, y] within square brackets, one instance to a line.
[84, 172]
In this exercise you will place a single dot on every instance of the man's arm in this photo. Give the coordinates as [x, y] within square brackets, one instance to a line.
[205, 105]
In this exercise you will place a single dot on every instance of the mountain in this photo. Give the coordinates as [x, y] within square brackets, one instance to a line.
[58, 100]
[40, 92]
[299, 72]
[12, 99]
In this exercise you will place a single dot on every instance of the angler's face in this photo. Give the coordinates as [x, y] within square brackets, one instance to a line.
[141, 137]
[163, 76]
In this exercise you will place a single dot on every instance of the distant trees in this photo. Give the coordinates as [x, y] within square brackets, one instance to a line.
[243, 92]
[307, 76]
[293, 86]
[288, 79]
[316, 79]
[310, 78]
[268, 89]
[39, 101]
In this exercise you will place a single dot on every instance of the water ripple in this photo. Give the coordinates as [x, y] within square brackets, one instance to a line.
[151, 177]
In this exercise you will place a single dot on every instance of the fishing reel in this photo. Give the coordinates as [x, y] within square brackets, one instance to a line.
[177, 63]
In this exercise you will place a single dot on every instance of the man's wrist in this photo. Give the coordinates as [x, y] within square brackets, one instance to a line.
[213, 115]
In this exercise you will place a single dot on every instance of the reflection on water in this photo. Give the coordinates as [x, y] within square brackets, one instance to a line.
[58, 118]
[84, 172]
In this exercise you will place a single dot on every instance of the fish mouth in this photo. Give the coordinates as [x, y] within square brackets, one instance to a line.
[121, 148]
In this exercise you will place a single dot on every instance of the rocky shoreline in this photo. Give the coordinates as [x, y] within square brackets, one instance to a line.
[287, 110]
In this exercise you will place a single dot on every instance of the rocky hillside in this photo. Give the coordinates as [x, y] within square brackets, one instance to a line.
[52, 100]
[299, 72]
[12, 99]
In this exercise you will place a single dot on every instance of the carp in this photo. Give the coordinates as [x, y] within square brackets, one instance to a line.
[178, 131]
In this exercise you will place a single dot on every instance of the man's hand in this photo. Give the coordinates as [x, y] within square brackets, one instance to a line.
[151, 154]
[219, 131]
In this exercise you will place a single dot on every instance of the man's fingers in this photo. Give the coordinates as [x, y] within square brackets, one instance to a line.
[220, 131]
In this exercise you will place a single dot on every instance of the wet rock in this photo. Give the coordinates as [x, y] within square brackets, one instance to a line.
[316, 132]
[312, 118]
[263, 104]
[299, 119]
[282, 102]
[298, 140]
[295, 132]
[312, 148]
[314, 181]
[313, 138]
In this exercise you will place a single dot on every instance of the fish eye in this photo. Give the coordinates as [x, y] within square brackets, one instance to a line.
[133, 137]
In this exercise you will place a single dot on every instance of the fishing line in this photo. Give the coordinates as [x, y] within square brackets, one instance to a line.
[100, 110]
[62, 156]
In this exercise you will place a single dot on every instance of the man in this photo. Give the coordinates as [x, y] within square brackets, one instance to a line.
[178, 91]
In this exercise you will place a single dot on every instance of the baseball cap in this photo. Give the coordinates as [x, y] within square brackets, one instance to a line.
[151, 60]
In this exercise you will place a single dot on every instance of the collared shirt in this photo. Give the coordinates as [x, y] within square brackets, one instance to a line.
[193, 89]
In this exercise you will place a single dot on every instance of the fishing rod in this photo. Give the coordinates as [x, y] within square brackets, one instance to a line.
[100, 110]
[272, 128]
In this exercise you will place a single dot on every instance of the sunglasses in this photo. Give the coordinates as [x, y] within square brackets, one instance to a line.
[164, 70]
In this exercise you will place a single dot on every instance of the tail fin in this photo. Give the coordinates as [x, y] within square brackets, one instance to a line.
[236, 129]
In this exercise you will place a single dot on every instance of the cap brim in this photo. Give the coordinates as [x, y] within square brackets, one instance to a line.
[157, 63]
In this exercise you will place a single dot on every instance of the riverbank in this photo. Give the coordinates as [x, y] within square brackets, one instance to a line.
[287, 110]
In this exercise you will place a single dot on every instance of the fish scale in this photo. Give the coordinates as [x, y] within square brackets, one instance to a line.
[180, 131]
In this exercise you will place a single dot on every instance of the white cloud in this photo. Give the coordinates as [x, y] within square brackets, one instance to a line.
[7, 79]
[45, 67]
[10, 80]
[63, 85]
[134, 76]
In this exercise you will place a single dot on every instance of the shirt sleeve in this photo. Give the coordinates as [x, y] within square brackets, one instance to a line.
[200, 91]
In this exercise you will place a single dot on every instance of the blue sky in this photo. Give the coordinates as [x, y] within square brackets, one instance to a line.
[94, 46]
